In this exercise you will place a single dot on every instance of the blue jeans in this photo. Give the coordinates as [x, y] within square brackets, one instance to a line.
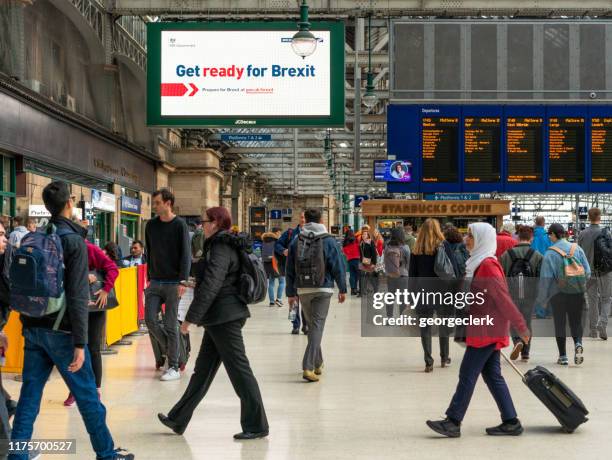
[279, 292]
[483, 361]
[354, 273]
[44, 349]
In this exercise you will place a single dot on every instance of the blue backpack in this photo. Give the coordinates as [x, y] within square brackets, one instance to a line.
[37, 275]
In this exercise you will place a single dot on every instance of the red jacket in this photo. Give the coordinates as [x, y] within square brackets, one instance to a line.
[504, 242]
[489, 280]
[102, 263]
[351, 250]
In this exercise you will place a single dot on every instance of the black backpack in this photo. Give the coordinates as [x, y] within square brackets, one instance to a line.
[603, 252]
[519, 274]
[310, 260]
[253, 282]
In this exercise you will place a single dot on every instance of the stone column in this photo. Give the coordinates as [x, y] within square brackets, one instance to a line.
[196, 180]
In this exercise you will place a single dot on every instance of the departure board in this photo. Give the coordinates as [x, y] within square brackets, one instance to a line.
[524, 149]
[601, 150]
[481, 149]
[566, 149]
[439, 149]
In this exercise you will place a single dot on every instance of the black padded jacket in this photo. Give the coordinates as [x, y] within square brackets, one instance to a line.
[216, 297]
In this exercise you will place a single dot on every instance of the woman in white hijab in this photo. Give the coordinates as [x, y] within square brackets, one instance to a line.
[482, 355]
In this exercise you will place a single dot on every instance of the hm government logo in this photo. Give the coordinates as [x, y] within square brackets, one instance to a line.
[245, 122]
[173, 40]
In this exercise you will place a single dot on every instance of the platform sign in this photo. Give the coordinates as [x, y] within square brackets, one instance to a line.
[275, 214]
[451, 196]
[246, 137]
[360, 199]
[243, 74]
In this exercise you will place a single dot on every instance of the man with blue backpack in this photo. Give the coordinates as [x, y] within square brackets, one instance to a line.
[49, 288]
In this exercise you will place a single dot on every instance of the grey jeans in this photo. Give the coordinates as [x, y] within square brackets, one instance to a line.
[599, 298]
[315, 307]
[156, 295]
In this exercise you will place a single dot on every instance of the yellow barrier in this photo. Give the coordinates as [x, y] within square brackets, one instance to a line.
[120, 321]
[14, 353]
[123, 320]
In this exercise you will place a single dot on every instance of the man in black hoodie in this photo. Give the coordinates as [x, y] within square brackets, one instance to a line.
[64, 348]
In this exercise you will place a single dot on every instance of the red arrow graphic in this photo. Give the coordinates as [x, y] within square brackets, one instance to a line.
[173, 89]
[194, 88]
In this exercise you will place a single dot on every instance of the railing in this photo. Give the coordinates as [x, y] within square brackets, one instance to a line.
[94, 13]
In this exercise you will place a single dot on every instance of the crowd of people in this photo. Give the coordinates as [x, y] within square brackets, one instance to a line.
[534, 271]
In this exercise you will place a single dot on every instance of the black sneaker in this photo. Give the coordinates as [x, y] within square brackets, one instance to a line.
[122, 454]
[295, 331]
[445, 428]
[506, 429]
[248, 435]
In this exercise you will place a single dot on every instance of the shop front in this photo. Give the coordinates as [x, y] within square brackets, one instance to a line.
[385, 214]
[91, 159]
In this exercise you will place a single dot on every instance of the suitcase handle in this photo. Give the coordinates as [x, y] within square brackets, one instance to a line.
[518, 371]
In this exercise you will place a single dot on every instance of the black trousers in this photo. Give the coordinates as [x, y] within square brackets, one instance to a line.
[223, 344]
[526, 307]
[95, 341]
[443, 332]
[567, 307]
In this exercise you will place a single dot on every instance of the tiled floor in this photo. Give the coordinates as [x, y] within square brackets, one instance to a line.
[371, 403]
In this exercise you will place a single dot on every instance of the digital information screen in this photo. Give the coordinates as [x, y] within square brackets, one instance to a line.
[566, 149]
[524, 149]
[481, 149]
[392, 171]
[601, 150]
[439, 149]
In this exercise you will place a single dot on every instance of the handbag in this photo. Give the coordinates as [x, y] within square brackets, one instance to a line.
[111, 300]
[443, 265]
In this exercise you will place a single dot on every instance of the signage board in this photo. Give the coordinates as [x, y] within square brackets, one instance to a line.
[246, 137]
[275, 214]
[360, 199]
[103, 201]
[451, 196]
[243, 74]
[130, 205]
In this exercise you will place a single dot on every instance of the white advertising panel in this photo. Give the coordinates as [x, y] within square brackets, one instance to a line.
[243, 73]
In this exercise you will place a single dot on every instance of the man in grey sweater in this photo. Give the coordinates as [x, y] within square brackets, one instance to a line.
[599, 287]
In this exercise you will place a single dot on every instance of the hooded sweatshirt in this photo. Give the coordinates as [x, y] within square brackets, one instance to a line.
[334, 264]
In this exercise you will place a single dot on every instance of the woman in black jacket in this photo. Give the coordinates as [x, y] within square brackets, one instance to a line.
[218, 307]
[423, 277]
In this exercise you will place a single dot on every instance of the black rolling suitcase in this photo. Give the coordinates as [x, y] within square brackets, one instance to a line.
[556, 396]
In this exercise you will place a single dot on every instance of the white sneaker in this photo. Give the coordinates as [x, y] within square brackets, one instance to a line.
[170, 374]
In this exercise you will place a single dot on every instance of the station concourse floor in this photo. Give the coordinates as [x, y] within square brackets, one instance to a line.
[371, 403]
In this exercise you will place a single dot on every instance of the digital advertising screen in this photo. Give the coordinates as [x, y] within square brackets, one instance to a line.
[244, 74]
[392, 171]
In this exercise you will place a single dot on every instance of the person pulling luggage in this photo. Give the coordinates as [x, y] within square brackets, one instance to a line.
[482, 355]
